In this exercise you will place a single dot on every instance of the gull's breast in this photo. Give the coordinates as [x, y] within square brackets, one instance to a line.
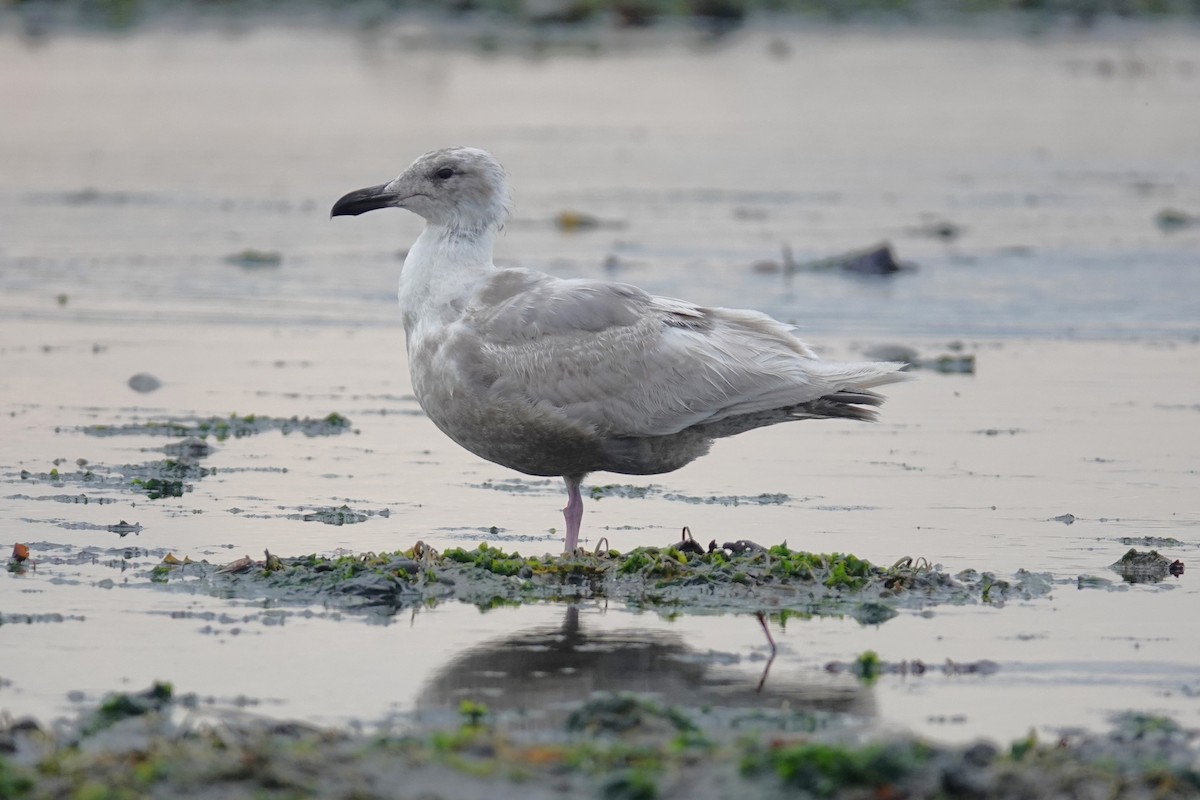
[460, 390]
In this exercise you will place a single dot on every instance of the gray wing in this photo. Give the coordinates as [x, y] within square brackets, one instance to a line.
[615, 360]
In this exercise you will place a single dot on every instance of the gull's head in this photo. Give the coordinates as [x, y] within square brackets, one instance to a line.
[462, 188]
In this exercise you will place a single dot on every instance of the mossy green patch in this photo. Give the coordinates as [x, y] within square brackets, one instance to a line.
[868, 666]
[14, 783]
[121, 705]
[778, 580]
[827, 770]
[612, 746]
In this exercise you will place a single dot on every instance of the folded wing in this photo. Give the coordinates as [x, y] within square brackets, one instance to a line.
[620, 362]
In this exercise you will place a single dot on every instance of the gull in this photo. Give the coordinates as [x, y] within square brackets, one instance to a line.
[564, 377]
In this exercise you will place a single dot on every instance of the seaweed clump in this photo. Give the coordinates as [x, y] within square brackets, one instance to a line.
[733, 579]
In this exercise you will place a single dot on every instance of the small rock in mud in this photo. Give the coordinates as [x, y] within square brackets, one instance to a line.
[190, 447]
[123, 528]
[1143, 567]
[874, 613]
[144, 382]
[1173, 219]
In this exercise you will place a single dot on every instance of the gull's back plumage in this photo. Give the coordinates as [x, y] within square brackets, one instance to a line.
[552, 376]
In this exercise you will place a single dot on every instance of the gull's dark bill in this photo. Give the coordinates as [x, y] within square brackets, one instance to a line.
[361, 200]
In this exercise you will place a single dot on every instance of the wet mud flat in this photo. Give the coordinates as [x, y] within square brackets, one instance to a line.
[198, 368]
[977, 579]
[687, 742]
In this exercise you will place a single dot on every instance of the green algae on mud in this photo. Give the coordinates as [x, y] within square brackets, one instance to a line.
[223, 428]
[776, 580]
[168, 477]
[173, 476]
[609, 746]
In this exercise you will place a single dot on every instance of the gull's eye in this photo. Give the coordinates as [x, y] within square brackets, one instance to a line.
[444, 173]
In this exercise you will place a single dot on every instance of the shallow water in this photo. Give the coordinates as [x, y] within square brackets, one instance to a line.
[135, 167]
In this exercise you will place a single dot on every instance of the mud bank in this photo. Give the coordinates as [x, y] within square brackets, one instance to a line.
[740, 577]
[154, 744]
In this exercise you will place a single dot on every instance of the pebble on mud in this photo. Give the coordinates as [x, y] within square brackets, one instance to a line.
[144, 382]
[1172, 219]
[1145, 567]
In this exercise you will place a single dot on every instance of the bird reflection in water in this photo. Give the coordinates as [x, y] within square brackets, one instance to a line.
[547, 668]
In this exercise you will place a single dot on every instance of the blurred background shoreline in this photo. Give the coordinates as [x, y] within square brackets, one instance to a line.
[35, 18]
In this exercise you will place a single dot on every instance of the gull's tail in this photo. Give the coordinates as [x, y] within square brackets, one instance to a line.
[849, 397]
[852, 398]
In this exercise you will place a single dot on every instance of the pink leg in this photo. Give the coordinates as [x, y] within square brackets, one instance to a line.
[573, 513]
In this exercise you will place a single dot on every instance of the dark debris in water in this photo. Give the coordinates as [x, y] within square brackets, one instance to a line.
[877, 259]
[341, 515]
[868, 666]
[775, 580]
[225, 427]
[608, 745]
[1151, 541]
[121, 528]
[81, 499]
[32, 619]
[1174, 219]
[1150, 566]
